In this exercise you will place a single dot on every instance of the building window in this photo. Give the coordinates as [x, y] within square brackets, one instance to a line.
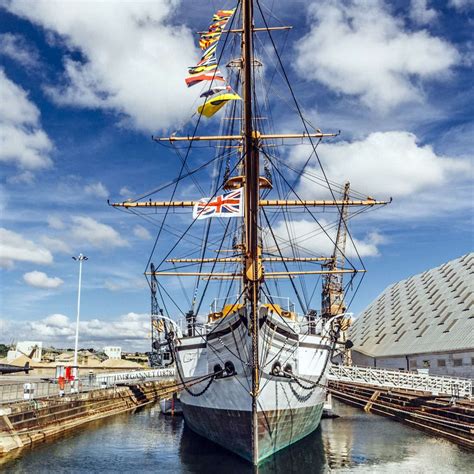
[472, 360]
[413, 363]
[426, 364]
[441, 363]
[457, 362]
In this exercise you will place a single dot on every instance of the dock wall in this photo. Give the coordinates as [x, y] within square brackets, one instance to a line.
[26, 422]
[438, 416]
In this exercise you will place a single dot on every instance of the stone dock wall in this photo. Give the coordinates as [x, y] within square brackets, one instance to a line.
[23, 423]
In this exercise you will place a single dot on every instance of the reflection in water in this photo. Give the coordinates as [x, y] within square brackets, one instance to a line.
[200, 455]
[146, 441]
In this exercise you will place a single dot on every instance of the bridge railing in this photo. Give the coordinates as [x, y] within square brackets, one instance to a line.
[437, 385]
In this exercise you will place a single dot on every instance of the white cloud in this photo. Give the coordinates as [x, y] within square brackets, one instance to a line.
[53, 327]
[4, 198]
[22, 141]
[461, 4]
[15, 248]
[56, 320]
[87, 229]
[25, 177]
[96, 189]
[17, 48]
[77, 231]
[55, 222]
[125, 284]
[142, 233]
[41, 280]
[428, 204]
[360, 49]
[309, 239]
[135, 58]
[17, 109]
[389, 164]
[131, 330]
[131, 326]
[420, 13]
[55, 245]
[5, 328]
[125, 192]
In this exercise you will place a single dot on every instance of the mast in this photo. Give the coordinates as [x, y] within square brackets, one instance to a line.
[332, 301]
[252, 273]
[341, 237]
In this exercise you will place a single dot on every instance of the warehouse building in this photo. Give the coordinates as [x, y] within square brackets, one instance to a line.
[424, 322]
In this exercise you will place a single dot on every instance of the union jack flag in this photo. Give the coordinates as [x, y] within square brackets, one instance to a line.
[227, 205]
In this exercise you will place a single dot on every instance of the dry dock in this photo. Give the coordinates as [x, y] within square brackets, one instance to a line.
[25, 422]
[447, 417]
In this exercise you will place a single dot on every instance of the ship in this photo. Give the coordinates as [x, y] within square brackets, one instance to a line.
[254, 367]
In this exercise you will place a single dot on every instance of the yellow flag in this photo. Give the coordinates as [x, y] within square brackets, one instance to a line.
[214, 104]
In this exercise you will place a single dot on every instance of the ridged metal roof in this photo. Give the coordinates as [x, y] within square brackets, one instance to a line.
[429, 312]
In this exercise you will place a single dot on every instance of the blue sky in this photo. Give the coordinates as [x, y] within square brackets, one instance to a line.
[84, 85]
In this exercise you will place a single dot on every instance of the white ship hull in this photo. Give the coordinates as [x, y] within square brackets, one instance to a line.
[288, 408]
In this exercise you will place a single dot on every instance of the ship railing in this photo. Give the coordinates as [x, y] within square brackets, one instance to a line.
[218, 303]
[199, 327]
[284, 302]
[308, 326]
[434, 384]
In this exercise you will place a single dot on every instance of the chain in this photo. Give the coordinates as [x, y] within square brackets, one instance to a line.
[204, 390]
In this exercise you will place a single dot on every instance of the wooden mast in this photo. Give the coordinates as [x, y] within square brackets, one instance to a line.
[332, 298]
[252, 275]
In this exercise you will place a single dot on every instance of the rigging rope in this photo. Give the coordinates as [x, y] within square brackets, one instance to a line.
[305, 126]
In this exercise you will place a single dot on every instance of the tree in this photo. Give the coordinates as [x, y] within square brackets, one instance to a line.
[4, 350]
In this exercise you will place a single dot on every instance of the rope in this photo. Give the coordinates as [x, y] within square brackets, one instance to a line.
[283, 261]
[307, 131]
[184, 160]
[311, 214]
[212, 376]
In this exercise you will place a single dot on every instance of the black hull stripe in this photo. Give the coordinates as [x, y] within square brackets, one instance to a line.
[201, 345]
[301, 344]
[281, 331]
[223, 332]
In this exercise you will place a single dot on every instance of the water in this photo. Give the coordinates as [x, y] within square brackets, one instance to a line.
[147, 441]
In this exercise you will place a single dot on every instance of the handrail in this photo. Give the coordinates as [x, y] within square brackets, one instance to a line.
[435, 384]
[37, 390]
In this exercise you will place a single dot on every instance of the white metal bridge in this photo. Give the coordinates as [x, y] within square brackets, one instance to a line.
[434, 384]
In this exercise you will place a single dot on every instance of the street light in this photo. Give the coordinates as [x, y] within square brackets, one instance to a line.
[79, 259]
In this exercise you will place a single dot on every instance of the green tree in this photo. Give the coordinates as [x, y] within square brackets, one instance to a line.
[4, 350]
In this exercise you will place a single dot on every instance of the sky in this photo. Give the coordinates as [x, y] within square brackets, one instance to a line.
[84, 86]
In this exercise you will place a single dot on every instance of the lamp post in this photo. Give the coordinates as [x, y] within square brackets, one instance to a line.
[79, 259]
